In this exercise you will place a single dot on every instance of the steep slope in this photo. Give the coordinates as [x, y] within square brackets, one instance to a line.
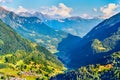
[108, 26]
[34, 29]
[10, 41]
[109, 71]
[97, 57]
[22, 58]
[65, 46]
[98, 43]
[74, 25]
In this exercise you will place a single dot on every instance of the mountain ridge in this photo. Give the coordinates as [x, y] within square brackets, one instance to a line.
[74, 25]
[98, 43]
[34, 29]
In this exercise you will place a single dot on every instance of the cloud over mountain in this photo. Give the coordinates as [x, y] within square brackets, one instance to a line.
[61, 10]
[109, 10]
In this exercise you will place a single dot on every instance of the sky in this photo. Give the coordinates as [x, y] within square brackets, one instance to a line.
[65, 8]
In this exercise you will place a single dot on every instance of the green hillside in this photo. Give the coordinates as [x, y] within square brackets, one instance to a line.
[23, 59]
[108, 71]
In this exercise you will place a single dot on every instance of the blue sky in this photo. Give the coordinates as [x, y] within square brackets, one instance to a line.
[85, 8]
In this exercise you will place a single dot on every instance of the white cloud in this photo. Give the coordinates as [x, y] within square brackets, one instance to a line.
[109, 10]
[61, 10]
[18, 10]
[3, 1]
[86, 16]
[21, 9]
[94, 9]
[8, 8]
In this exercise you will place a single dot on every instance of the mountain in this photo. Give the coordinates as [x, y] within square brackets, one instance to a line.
[74, 25]
[33, 29]
[65, 46]
[101, 41]
[97, 55]
[41, 16]
[20, 58]
[108, 71]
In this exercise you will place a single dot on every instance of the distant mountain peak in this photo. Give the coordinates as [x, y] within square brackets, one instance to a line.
[3, 12]
[75, 18]
[1, 8]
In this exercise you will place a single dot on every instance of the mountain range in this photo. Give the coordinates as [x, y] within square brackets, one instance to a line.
[46, 32]
[74, 25]
[33, 29]
[41, 16]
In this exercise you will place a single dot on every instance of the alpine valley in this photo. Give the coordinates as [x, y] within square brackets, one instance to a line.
[38, 47]
[97, 55]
